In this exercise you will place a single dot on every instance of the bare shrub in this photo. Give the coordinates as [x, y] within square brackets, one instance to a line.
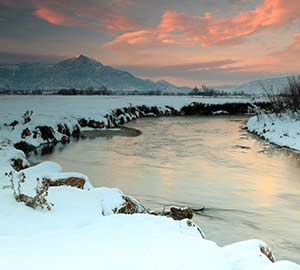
[39, 200]
[27, 116]
[288, 100]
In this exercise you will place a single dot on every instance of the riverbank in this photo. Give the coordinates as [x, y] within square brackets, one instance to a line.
[82, 223]
[283, 131]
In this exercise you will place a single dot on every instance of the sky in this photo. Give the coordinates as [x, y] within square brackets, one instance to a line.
[186, 42]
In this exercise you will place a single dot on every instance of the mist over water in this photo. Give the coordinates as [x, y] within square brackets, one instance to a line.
[250, 189]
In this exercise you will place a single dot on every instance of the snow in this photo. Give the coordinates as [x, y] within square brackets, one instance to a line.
[256, 87]
[283, 131]
[82, 230]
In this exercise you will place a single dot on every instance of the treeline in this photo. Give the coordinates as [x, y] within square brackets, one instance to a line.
[87, 92]
[210, 92]
[103, 91]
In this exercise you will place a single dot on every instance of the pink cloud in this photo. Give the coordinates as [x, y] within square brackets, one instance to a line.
[285, 59]
[207, 30]
[89, 15]
[51, 16]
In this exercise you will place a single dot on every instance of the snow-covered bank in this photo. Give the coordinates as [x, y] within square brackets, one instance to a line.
[58, 118]
[283, 131]
[83, 231]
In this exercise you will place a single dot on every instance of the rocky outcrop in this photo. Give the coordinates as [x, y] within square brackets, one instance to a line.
[83, 122]
[64, 129]
[268, 252]
[196, 108]
[178, 213]
[95, 124]
[47, 133]
[25, 133]
[18, 164]
[130, 206]
[70, 181]
[13, 124]
[122, 115]
[76, 131]
[118, 117]
[91, 123]
[24, 146]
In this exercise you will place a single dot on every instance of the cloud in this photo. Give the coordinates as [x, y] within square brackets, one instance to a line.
[90, 14]
[208, 30]
[189, 69]
[284, 59]
[52, 16]
[16, 57]
[210, 72]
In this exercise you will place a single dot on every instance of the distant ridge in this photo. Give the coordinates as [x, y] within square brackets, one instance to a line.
[79, 72]
[257, 86]
[83, 72]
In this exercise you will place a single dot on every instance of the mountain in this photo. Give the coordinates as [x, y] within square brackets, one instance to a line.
[257, 87]
[81, 73]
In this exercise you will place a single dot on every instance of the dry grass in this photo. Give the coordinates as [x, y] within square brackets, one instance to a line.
[288, 100]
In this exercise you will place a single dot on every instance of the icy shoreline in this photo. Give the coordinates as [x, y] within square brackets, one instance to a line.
[83, 231]
[283, 131]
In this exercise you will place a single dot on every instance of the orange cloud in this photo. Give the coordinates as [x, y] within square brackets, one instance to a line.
[50, 16]
[207, 30]
[89, 15]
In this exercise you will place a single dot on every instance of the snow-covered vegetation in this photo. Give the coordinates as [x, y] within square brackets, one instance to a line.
[281, 124]
[85, 227]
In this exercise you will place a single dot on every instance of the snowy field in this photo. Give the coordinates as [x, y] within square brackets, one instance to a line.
[82, 231]
[93, 105]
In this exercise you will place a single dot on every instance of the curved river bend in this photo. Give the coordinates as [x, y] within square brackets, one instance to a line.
[249, 188]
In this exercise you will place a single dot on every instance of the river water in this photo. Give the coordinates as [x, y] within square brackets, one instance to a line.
[249, 188]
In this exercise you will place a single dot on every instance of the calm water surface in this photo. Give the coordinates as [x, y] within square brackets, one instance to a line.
[249, 188]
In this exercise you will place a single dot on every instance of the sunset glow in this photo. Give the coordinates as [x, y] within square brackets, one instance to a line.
[156, 39]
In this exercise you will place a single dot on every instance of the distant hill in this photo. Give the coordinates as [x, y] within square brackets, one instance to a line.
[257, 86]
[81, 73]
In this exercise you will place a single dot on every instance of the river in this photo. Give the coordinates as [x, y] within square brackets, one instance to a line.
[249, 188]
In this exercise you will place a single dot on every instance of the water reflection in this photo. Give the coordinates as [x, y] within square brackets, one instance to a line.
[250, 189]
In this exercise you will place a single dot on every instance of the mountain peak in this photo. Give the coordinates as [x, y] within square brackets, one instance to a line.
[83, 57]
[78, 72]
[81, 61]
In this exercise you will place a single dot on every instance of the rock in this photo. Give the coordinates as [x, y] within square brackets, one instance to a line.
[24, 146]
[130, 206]
[14, 123]
[172, 111]
[35, 134]
[155, 110]
[83, 122]
[71, 181]
[65, 139]
[25, 133]
[47, 133]
[230, 108]
[76, 131]
[63, 129]
[95, 124]
[181, 213]
[268, 252]
[18, 164]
